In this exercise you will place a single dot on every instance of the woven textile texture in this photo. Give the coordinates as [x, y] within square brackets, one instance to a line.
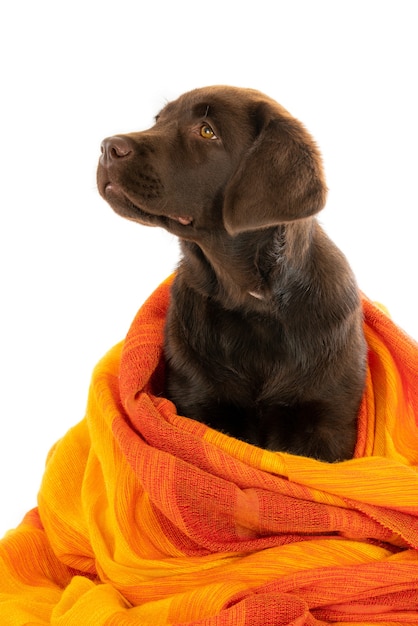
[147, 517]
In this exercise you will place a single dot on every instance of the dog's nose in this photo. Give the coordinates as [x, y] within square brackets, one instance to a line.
[113, 149]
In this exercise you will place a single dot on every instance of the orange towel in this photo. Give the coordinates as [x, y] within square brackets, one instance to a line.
[146, 517]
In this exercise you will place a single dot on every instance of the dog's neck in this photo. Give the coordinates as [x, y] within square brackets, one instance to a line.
[243, 269]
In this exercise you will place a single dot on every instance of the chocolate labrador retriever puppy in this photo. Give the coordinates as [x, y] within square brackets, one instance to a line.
[264, 333]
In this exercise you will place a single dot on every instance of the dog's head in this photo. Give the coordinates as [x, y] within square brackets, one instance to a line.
[216, 158]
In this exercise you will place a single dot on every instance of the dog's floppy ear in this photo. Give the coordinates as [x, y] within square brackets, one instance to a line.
[280, 178]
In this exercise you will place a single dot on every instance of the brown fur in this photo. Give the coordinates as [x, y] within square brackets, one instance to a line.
[264, 333]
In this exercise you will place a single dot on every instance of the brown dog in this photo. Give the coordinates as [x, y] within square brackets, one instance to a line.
[264, 333]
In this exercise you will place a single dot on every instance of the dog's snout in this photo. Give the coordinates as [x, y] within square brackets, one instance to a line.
[113, 149]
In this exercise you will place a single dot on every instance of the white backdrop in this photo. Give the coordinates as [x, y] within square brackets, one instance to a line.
[73, 273]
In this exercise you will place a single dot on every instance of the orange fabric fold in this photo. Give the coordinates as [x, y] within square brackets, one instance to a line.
[148, 517]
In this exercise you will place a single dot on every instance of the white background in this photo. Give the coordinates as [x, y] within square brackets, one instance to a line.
[73, 273]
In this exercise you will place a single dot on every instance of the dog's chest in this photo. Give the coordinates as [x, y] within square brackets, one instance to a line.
[230, 346]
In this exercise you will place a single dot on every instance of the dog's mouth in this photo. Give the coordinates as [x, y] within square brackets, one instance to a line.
[185, 220]
[122, 204]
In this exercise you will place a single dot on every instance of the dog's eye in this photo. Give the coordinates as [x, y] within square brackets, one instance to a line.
[207, 132]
